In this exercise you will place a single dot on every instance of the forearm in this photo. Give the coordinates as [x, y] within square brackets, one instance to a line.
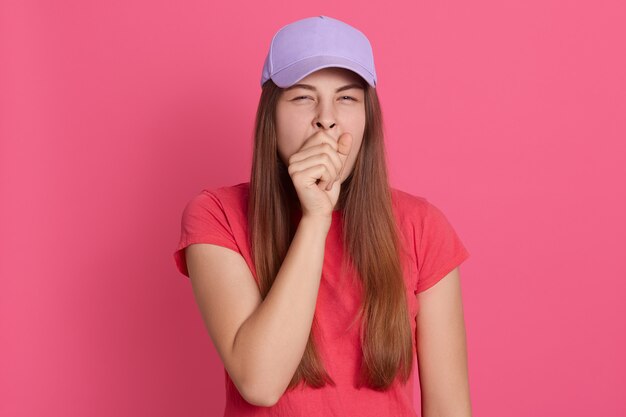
[442, 350]
[459, 407]
[452, 397]
[270, 343]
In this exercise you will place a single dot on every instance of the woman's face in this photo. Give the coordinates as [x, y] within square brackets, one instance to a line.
[318, 102]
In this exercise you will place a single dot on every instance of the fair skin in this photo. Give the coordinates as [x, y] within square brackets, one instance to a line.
[442, 350]
[329, 102]
[261, 341]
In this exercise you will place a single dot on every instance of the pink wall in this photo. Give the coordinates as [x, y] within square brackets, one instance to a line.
[508, 115]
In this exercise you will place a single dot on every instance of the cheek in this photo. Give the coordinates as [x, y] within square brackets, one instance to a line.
[287, 135]
[354, 152]
[284, 154]
[359, 130]
[288, 141]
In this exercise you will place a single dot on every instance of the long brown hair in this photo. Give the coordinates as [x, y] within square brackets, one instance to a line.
[370, 242]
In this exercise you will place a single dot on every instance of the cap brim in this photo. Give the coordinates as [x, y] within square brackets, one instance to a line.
[297, 71]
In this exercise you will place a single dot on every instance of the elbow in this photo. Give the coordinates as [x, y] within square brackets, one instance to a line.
[261, 401]
[259, 395]
[255, 386]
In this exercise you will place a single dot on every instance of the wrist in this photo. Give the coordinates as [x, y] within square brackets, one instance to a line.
[316, 221]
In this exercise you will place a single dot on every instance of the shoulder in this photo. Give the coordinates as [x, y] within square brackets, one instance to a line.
[419, 212]
[409, 207]
[231, 191]
[226, 192]
[228, 197]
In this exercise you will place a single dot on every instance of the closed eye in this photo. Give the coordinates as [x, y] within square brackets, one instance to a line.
[348, 97]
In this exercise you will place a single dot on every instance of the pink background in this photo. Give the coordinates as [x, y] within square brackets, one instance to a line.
[508, 115]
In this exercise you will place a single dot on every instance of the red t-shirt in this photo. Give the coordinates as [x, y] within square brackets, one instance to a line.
[433, 249]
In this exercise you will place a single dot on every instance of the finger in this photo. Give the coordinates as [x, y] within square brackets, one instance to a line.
[319, 138]
[313, 160]
[344, 144]
[335, 160]
[317, 174]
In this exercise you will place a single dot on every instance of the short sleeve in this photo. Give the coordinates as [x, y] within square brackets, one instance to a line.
[440, 249]
[203, 221]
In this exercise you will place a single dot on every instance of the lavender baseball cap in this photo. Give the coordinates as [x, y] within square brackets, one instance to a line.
[305, 46]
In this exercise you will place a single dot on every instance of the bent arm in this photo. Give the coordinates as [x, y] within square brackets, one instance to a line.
[442, 351]
[260, 342]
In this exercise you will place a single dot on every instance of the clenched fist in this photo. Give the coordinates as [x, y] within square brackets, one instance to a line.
[316, 169]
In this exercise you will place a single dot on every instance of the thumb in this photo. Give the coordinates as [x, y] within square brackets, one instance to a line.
[344, 143]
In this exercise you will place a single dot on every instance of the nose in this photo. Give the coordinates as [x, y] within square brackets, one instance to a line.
[324, 124]
[325, 118]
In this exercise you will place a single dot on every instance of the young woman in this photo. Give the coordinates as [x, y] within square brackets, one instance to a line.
[309, 277]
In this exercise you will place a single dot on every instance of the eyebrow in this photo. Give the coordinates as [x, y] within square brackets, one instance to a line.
[310, 87]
